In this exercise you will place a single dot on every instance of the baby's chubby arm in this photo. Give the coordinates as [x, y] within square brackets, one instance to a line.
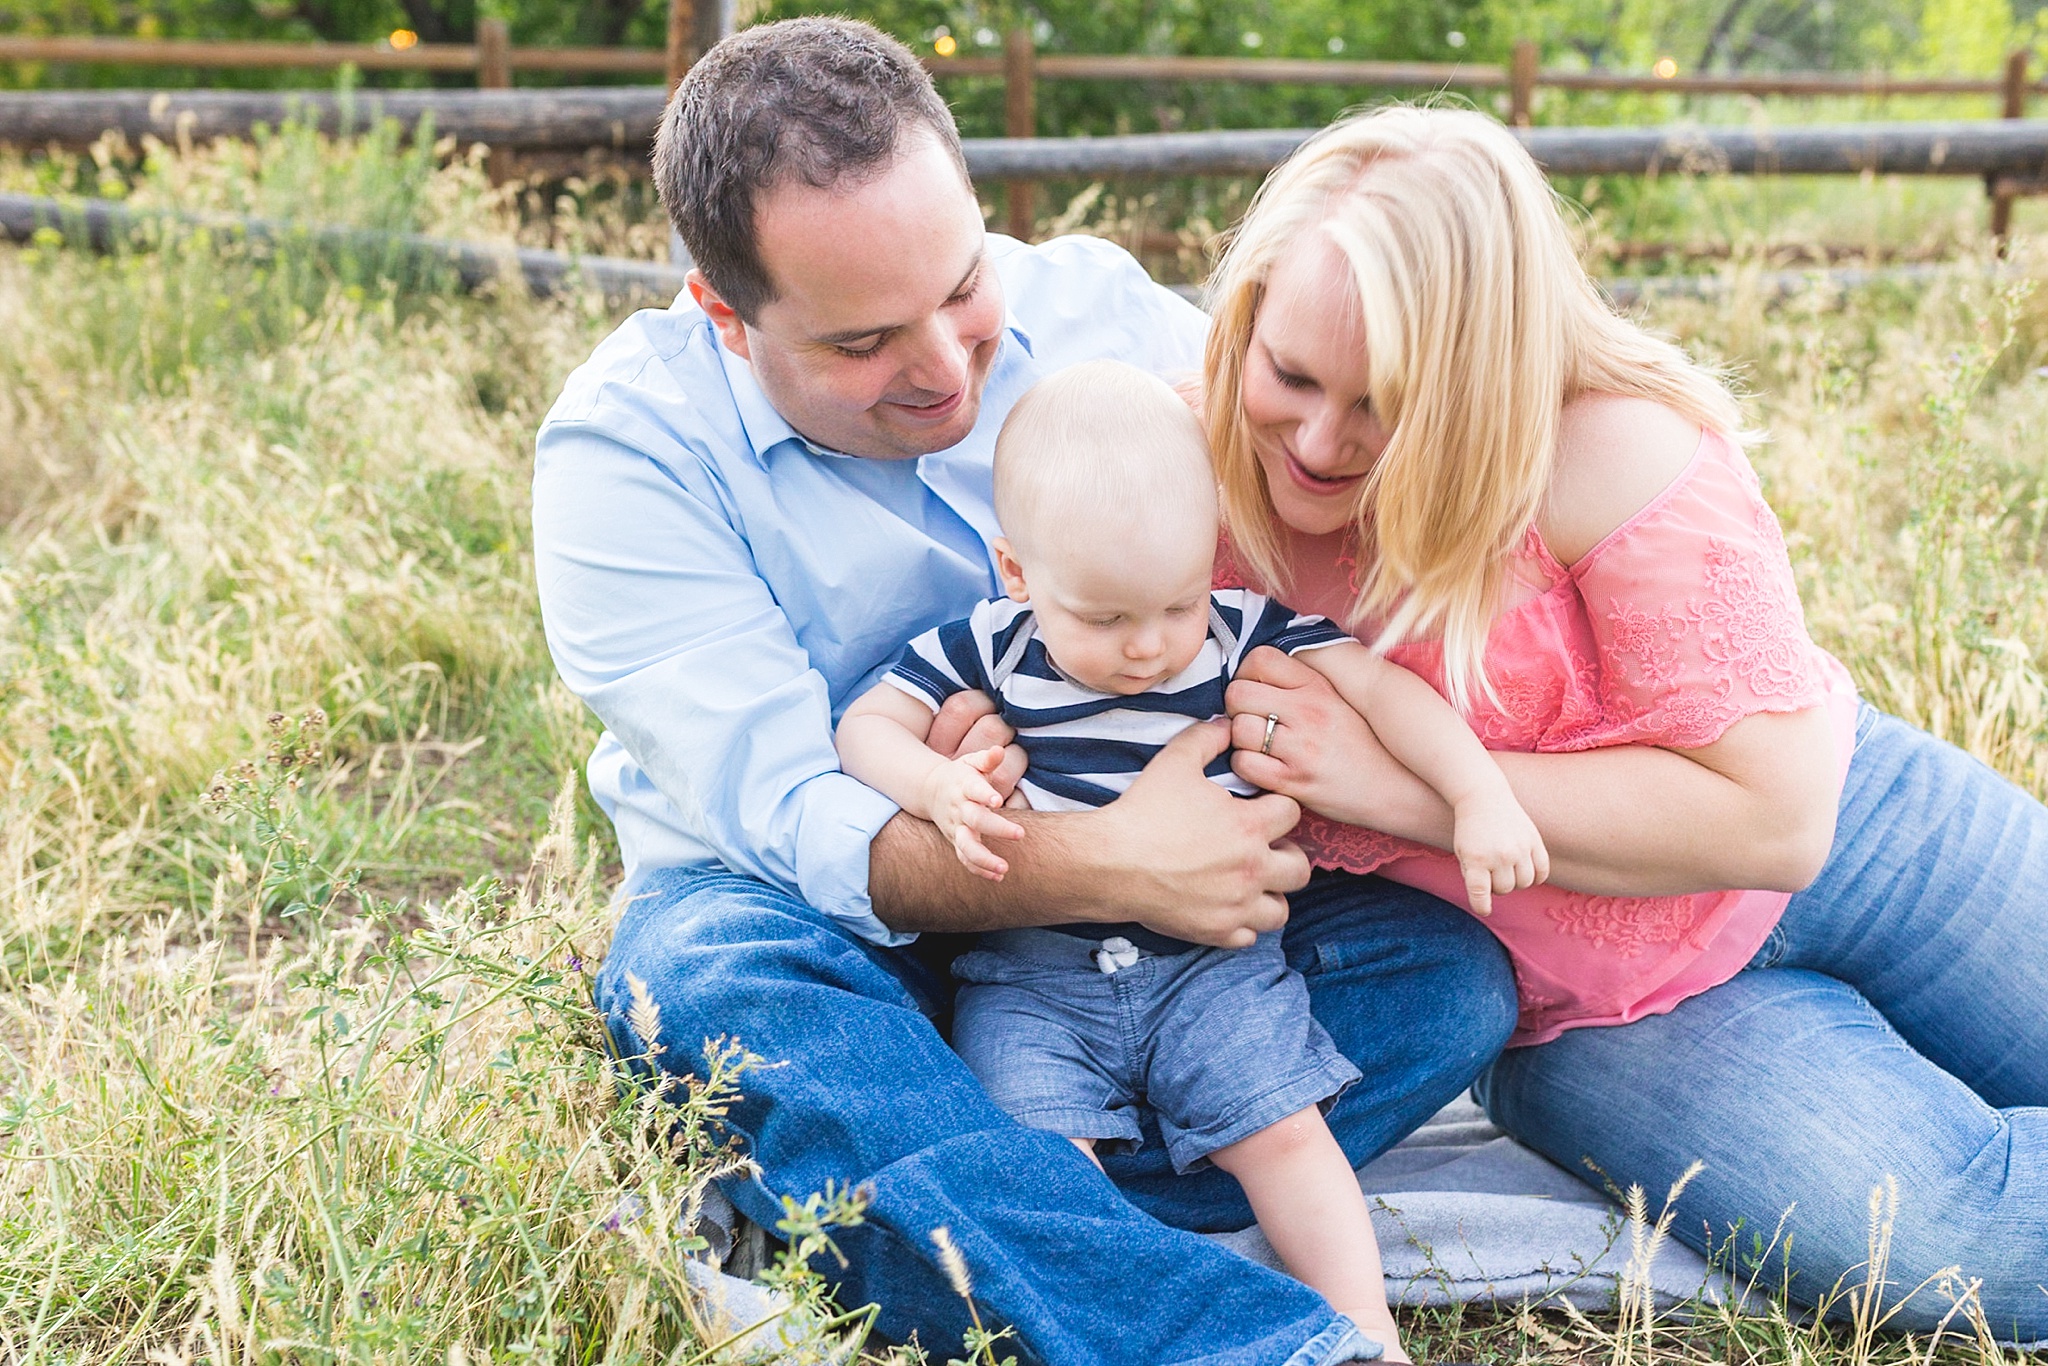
[1497, 845]
[881, 742]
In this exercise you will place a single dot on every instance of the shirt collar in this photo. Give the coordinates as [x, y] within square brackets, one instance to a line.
[767, 428]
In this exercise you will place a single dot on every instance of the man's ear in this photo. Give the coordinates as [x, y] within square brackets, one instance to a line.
[730, 329]
[1009, 571]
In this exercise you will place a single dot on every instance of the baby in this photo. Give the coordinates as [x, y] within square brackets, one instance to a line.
[1110, 642]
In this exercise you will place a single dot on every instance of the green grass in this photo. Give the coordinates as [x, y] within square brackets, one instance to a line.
[299, 894]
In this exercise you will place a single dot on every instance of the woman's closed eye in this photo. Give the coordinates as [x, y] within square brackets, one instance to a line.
[1288, 378]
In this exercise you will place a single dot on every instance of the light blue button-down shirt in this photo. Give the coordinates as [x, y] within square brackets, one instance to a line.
[718, 589]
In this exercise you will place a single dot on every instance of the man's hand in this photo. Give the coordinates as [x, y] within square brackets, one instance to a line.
[963, 805]
[1175, 852]
[1198, 863]
[969, 723]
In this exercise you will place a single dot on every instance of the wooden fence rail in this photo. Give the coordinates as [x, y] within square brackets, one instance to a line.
[104, 226]
[2012, 152]
[229, 56]
[622, 118]
[1019, 61]
[2015, 152]
[694, 24]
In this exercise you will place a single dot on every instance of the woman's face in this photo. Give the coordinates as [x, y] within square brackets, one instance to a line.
[1305, 396]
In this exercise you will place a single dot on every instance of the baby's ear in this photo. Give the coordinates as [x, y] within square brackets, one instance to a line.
[1009, 571]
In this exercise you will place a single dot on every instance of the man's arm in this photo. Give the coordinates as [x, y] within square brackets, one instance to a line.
[881, 741]
[660, 621]
[1175, 853]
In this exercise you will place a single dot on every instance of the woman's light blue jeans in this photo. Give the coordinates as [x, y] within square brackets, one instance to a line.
[863, 1091]
[1893, 1029]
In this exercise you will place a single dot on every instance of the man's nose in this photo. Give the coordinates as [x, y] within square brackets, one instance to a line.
[941, 360]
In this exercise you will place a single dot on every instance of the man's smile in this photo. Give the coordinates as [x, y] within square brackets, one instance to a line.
[938, 410]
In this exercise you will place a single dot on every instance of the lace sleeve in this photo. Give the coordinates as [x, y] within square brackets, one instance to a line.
[1695, 615]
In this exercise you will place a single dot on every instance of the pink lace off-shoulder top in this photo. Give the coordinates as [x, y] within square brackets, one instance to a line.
[1680, 623]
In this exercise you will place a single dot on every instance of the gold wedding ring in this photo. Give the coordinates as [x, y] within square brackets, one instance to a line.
[1272, 724]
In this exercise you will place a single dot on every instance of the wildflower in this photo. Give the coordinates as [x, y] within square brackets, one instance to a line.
[952, 1262]
[644, 1017]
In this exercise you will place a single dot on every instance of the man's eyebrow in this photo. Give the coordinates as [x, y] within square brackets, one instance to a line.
[862, 333]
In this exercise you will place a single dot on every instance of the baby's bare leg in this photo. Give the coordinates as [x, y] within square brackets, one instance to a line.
[1309, 1206]
[1087, 1145]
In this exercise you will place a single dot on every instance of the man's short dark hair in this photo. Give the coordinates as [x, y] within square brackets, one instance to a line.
[824, 101]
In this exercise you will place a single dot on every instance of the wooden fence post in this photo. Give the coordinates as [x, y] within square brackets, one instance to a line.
[1020, 120]
[694, 28]
[493, 55]
[714, 22]
[682, 35]
[1522, 84]
[2015, 108]
[494, 72]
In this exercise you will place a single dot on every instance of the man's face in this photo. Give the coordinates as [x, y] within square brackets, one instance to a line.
[888, 312]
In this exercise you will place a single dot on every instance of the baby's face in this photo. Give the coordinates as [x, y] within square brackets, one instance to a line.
[1119, 619]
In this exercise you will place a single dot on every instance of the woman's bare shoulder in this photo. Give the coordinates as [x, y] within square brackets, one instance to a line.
[1614, 456]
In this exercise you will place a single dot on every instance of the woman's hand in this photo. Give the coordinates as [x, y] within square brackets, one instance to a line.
[1323, 753]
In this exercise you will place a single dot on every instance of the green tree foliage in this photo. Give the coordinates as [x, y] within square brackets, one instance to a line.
[1425, 30]
[594, 23]
[1723, 35]
[1959, 36]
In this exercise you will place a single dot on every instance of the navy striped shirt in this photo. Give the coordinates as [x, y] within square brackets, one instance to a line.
[1086, 747]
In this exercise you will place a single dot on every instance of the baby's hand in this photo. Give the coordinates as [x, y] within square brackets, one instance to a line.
[1498, 850]
[963, 804]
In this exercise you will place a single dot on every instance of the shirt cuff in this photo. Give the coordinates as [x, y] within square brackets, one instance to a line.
[912, 687]
[840, 823]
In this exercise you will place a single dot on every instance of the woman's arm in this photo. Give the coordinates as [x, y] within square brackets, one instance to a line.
[1498, 848]
[1755, 809]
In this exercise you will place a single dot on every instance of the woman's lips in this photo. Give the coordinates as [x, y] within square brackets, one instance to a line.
[933, 412]
[1309, 482]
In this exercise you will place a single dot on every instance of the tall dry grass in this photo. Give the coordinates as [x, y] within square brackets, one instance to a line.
[298, 897]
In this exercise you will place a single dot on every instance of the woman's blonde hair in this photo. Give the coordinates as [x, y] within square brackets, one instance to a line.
[1479, 324]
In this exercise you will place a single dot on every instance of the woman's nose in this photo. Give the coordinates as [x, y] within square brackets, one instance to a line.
[1324, 442]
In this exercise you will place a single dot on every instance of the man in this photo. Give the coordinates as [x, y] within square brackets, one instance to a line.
[744, 506]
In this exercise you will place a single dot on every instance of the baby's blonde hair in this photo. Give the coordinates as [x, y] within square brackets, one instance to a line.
[1480, 325]
[1100, 442]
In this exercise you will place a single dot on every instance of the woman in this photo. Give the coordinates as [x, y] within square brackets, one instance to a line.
[1428, 424]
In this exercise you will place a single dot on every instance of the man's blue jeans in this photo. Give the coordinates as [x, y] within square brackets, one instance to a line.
[1415, 992]
[1895, 1026]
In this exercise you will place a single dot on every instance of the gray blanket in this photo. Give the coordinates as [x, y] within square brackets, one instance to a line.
[1463, 1212]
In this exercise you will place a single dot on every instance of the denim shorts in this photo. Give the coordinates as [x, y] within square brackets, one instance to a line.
[1218, 1043]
